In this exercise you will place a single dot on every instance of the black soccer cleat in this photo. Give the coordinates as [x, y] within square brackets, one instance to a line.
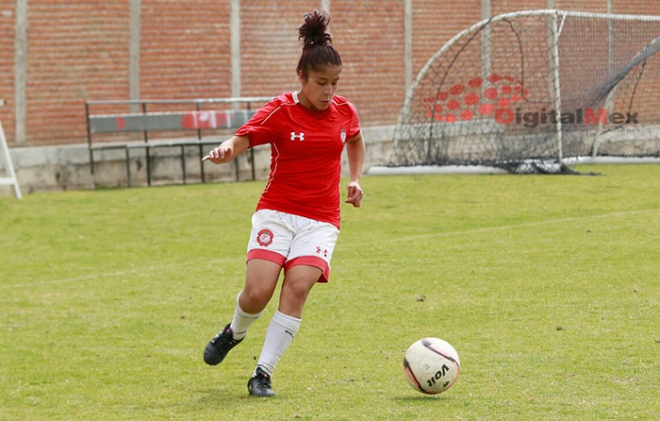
[219, 346]
[259, 384]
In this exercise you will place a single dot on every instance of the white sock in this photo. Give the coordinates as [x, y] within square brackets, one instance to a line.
[242, 321]
[281, 330]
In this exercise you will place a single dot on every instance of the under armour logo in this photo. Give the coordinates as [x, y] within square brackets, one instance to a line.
[300, 136]
[324, 252]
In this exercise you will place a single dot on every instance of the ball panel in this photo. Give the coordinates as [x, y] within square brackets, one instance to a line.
[442, 348]
[410, 376]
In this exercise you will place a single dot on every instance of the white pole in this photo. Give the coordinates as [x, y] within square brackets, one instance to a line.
[134, 53]
[20, 71]
[485, 40]
[610, 70]
[407, 29]
[557, 87]
[10, 168]
[235, 30]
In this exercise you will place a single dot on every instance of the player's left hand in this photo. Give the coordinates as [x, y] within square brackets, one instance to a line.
[354, 194]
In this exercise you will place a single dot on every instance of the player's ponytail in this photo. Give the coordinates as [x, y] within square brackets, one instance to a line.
[318, 51]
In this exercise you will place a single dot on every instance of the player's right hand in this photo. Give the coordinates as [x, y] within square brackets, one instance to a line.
[219, 155]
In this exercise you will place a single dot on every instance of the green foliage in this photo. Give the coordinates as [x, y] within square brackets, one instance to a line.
[546, 285]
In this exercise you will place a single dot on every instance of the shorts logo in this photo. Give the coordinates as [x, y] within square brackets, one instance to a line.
[265, 237]
[324, 252]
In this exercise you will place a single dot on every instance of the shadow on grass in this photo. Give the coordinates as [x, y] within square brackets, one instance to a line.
[422, 398]
[229, 396]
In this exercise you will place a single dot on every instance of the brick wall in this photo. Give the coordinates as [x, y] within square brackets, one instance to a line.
[184, 49]
[76, 50]
[508, 6]
[79, 50]
[436, 22]
[7, 66]
[369, 36]
[639, 7]
[269, 45]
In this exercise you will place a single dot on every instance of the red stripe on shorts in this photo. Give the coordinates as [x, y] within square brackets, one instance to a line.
[317, 262]
[266, 255]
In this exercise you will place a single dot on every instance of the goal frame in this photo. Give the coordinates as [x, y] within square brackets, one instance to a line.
[11, 179]
[557, 19]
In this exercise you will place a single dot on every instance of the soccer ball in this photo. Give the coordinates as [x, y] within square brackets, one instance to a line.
[431, 366]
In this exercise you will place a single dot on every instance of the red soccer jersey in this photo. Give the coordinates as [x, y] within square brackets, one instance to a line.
[306, 148]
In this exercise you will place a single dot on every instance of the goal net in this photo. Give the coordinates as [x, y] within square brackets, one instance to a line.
[529, 91]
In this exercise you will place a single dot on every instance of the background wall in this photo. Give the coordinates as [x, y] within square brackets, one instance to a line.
[79, 50]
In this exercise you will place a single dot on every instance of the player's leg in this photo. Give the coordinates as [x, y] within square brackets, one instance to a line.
[268, 247]
[296, 287]
[261, 280]
[284, 325]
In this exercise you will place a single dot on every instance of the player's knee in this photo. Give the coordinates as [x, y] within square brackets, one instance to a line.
[256, 297]
[295, 292]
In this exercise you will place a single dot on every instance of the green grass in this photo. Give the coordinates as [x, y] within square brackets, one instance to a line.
[547, 286]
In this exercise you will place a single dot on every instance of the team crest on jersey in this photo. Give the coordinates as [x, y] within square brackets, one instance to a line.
[265, 237]
[343, 135]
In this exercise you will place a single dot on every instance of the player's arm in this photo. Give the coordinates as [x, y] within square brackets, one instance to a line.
[355, 150]
[228, 150]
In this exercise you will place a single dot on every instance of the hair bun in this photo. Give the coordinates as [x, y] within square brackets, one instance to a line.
[313, 31]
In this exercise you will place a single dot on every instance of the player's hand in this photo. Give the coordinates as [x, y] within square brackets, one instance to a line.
[354, 194]
[219, 155]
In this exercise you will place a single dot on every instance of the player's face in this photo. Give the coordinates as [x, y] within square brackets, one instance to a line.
[319, 87]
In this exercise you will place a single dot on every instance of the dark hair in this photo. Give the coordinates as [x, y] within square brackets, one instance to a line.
[318, 51]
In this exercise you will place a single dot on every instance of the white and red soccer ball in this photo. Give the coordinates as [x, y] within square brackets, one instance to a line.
[431, 365]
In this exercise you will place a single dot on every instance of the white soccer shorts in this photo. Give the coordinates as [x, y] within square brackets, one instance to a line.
[291, 240]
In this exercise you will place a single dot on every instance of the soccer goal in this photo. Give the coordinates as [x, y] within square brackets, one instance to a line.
[10, 179]
[533, 91]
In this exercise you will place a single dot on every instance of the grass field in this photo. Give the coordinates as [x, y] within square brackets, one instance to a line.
[547, 286]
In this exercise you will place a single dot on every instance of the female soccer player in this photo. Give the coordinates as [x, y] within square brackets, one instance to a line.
[296, 223]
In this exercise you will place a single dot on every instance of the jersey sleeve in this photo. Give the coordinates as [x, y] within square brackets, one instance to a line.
[349, 115]
[354, 127]
[260, 129]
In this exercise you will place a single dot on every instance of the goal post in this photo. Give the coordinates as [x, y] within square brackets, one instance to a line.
[5, 162]
[533, 90]
[10, 179]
